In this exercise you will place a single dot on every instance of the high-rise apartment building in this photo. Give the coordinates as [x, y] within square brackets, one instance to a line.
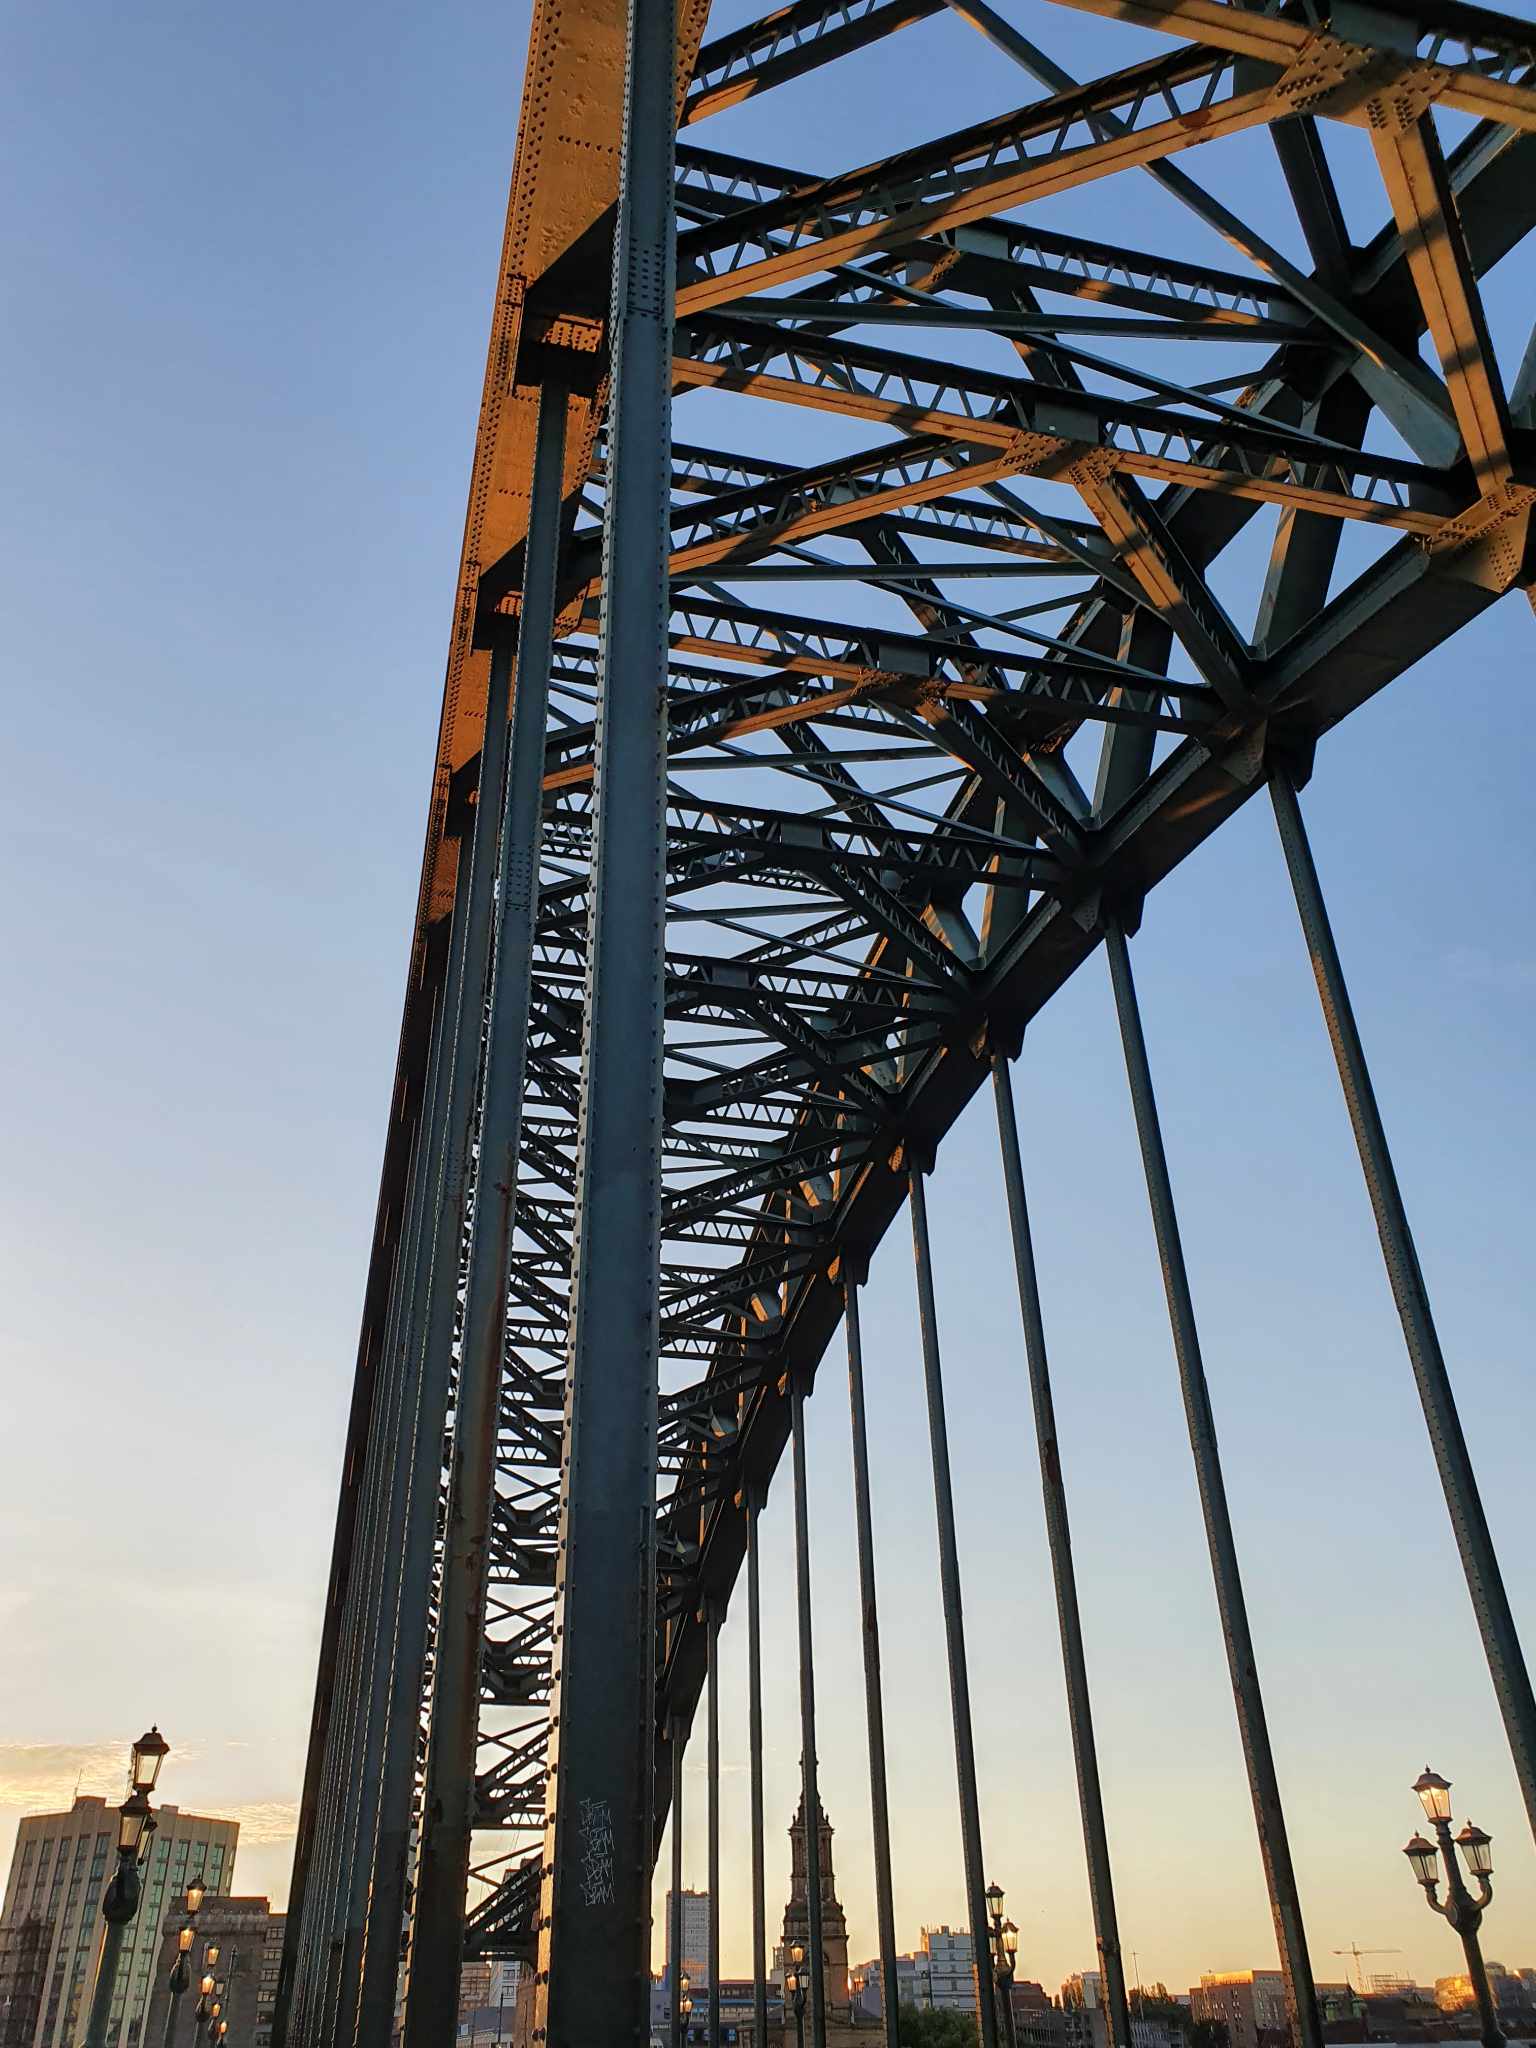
[488, 2000]
[866, 1985]
[506, 1976]
[941, 1973]
[474, 1988]
[1250, 2004]
[51, 1926]
[697, 1960]
[951, 1956]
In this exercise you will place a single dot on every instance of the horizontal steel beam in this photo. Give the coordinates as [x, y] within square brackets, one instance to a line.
[788, 43]
[1487, 58]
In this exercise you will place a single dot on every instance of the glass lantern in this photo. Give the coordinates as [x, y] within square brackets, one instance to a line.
[149, 1753]
[1477, 1848]
[1434, 1795]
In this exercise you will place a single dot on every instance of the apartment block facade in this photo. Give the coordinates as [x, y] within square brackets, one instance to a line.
[51, 1926]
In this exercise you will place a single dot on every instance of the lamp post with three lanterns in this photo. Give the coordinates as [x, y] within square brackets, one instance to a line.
[1003, 1941]
[218, 2025]
[794, 1984]
[1459, 1907]
[210, 1990]
[120, 1902]
[181, 1975]
[684, 2007]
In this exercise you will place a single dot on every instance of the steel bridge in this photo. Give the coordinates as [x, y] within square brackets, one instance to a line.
[773, 800]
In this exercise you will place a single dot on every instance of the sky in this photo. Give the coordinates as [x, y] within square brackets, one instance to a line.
[250, 266]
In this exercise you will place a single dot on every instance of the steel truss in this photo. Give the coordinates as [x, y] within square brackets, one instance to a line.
[898, 810]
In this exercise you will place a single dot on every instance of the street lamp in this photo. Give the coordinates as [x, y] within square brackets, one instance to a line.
[135, 1827]
[1463, 1911]
[181, 1974]
[1003, 1941]
[794, 1984]
[215, 2006]
[149, 1753]
[684, 2007]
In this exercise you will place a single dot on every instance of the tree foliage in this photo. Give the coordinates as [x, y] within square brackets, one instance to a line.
[933, 2027]
[1157, 2002]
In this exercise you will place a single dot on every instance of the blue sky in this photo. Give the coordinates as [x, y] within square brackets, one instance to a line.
[250, 271]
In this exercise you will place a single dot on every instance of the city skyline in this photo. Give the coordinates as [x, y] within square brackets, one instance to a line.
[1333, 1963]
[200, 1054]
[1083, 1983]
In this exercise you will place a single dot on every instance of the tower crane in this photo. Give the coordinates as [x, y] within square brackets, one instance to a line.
[1357, 1953]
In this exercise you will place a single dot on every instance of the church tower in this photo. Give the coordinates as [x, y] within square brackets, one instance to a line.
[797, 1917]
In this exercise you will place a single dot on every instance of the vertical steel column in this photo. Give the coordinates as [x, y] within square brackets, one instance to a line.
[315, 1908]
[1269, 1816]
[437, 1940]
[755, 1767]
[675, 1901]
[874, 1712]
[954, 1619]
[594, 1975]
[377, 1908]
[1058, 1529]
[712, 1652]
[358, 1717]
[321, 1892]
[1479, 1560]
[810, 1792]
[360, 1733]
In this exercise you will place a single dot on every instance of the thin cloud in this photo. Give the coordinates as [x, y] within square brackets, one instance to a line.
[1510, 973]
[264, 1820]
[41, 1776]
[46, 1774]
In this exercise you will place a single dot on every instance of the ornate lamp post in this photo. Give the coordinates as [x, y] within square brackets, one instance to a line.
[1463, 1911]
[1003, 1940]
[684, 2007]
[181, 1973]
[794, 1984]
[135, 1825]
[217, 2007]
[205, 1989]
